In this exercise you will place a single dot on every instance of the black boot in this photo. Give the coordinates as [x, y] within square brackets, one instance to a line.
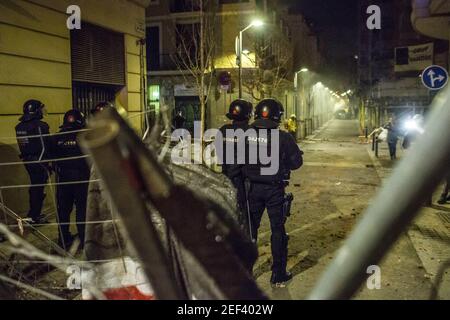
[443, 199]
[279, 280]
[65, 243]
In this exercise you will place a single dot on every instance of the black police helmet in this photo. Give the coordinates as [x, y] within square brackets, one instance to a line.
[101, 106]
[74, 118]
[240, 110]
[32, 109]
[269, 109]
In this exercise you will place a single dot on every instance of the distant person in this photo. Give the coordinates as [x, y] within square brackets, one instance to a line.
[444, 196]
[179, 121]
[33, 151]
[291, 126]
[392, 137]
[70, 171]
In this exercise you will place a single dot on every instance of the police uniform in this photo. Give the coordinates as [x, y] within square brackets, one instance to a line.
[240, 112]
[268, 191]
[70, 195]
[34, 149]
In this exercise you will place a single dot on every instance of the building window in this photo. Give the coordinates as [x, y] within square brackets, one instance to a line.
[153, 48]
[188, 42]
[98, 55]
[153, 94]
[153, 105]
[98, 66]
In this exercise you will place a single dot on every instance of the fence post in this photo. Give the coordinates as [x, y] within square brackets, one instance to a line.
[376, 146]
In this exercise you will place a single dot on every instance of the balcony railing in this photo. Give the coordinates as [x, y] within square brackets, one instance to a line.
[166, 62]
[177, 6]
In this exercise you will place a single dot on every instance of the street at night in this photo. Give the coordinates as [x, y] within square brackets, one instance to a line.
[234, 151]
[339, 179]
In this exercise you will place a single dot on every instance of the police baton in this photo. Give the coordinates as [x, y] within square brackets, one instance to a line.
[249, 216]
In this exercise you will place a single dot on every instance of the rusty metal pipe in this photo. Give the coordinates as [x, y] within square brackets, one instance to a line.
[113, 161]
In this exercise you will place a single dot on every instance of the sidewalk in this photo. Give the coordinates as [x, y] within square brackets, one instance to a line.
[430, 231]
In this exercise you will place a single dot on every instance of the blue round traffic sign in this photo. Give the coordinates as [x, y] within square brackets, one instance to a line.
[435, 77]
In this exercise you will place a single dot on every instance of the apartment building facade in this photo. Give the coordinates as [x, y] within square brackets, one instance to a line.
[169, 84]
[391, 61]
[41, 58]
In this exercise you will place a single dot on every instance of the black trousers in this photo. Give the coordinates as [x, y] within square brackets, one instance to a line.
[239, 184]
[392, 149]
[446, 188]
[68, 196]
[38, 176]
[271, 197]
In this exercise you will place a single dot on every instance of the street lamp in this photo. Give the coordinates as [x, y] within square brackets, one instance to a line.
[256, 23]
[303, 70]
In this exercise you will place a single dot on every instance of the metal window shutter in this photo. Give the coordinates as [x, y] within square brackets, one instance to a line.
[97, 55]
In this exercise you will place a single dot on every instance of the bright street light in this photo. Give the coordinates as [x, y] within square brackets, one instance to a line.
[255, 23]
[302, 70]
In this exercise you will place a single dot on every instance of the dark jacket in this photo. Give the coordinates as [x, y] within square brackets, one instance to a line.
[289, 156]
[66, 146]
[393, 133]
[32, 148]
[234, 169]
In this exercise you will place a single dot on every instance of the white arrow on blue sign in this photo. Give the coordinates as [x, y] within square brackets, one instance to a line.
[434, 77]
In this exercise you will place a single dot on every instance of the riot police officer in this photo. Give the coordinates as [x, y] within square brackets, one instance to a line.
[72, 176]
[267, 188]
[34, 149]
[240, 112]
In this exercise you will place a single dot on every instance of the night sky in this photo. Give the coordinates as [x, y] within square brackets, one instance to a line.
[335, 21]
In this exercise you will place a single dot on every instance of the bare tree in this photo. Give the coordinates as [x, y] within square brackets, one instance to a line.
[195, 50]
[273, 56]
